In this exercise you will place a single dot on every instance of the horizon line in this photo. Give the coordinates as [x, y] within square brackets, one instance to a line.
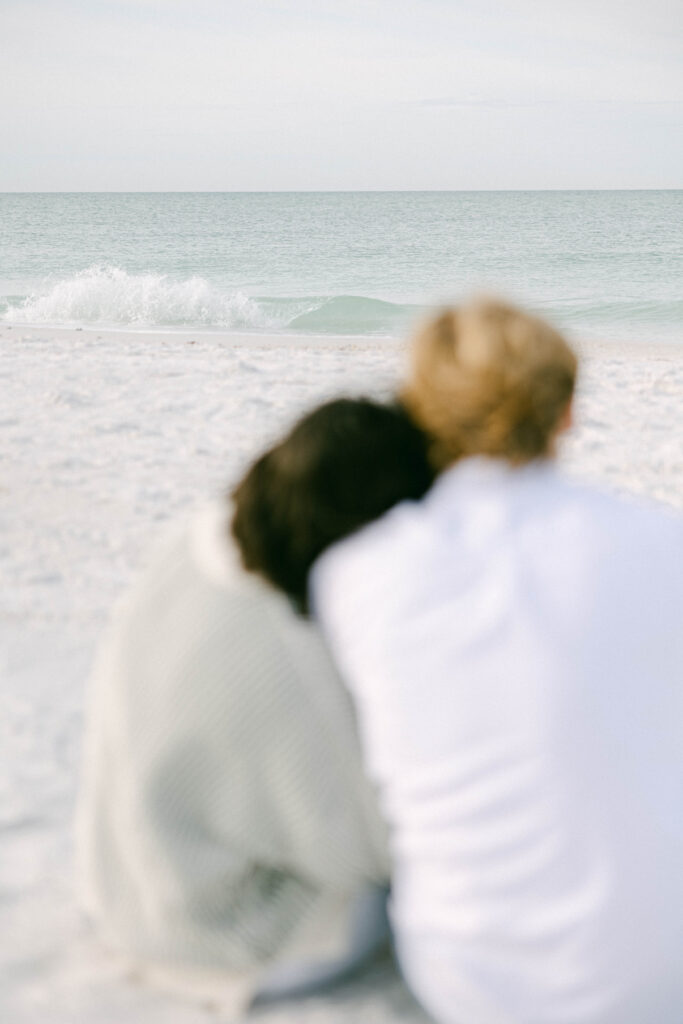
[333, 191]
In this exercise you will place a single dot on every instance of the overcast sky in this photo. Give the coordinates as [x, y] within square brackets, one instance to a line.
[340, 94]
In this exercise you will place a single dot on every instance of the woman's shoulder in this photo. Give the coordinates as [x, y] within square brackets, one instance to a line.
[198, 549]
[211, 548]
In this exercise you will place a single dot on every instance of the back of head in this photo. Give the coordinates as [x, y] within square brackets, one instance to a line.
[341, 466]
[490, 379]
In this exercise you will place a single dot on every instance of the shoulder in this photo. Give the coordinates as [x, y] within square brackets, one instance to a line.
[191, 595]
[624, 521]
[354, 583]
[375, 547]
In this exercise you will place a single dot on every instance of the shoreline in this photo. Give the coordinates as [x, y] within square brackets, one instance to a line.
[588, 347]
[167, 335]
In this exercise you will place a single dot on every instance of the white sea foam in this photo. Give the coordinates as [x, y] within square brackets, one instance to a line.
[110, 295]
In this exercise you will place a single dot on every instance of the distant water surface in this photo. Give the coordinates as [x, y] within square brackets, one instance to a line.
[599, 264]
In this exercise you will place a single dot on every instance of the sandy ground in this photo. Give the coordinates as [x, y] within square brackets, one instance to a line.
[104, 436]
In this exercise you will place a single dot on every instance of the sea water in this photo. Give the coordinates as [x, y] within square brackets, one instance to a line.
[605, 264]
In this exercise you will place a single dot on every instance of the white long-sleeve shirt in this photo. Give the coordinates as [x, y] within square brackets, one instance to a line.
[514, 647]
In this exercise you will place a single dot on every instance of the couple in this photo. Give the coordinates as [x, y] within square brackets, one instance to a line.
[512, 647]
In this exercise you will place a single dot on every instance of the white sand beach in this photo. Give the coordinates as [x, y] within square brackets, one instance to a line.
[105, 436]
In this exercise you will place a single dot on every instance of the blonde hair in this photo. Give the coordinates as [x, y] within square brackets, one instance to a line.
[489, 379]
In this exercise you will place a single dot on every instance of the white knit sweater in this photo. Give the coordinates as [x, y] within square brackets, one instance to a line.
[225, 822]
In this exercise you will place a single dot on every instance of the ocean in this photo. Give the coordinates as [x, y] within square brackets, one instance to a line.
[603, 264]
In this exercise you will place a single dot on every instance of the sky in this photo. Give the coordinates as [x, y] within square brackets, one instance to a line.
[142, 95]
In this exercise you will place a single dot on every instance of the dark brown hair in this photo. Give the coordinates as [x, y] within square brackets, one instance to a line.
[340, 467]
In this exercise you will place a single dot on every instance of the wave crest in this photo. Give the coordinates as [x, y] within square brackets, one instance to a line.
[109, 295]
[351, 314]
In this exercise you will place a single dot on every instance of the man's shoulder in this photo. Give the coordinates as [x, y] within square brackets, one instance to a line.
[627, 517]
[383, 543]
[356, 584]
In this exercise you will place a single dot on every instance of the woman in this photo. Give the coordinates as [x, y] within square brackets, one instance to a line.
[513, 646]
[228, 838]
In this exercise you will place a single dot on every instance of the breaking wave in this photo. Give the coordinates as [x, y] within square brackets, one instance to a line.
[110, 296]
